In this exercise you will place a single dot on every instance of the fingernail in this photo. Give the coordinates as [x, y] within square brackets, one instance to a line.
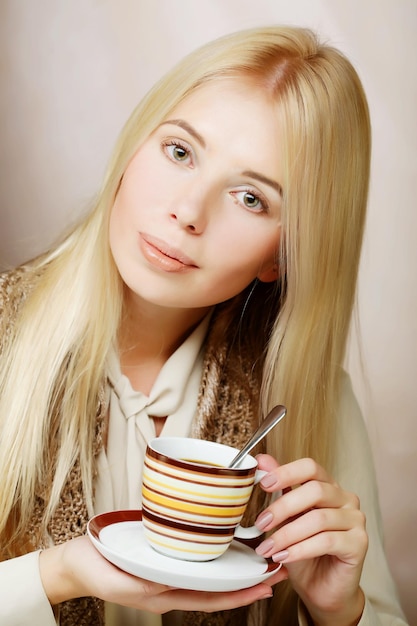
[269, 480]
[264, 520]
[279, 557]
[265, 547]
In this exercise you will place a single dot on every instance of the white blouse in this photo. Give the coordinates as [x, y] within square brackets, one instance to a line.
[118, 485]
[173, 395]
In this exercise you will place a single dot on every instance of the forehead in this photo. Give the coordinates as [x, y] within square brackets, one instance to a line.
[218, 91]
[234, 109]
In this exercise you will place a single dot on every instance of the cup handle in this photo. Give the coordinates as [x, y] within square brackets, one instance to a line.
[250, 532]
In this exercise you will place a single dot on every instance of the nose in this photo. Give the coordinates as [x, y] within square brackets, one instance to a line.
[190, 212]
[194, 224]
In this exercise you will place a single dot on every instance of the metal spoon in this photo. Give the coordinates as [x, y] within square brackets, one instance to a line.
[273, 417]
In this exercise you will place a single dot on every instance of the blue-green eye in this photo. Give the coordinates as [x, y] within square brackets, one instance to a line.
[176, 151]
[179, 153]
[251, 200]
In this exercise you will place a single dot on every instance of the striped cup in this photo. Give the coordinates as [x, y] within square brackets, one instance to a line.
[192, 503]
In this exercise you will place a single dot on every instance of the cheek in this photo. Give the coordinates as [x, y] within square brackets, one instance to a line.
[261, 251]
[124, 200]
[127, 202]
[272, 241]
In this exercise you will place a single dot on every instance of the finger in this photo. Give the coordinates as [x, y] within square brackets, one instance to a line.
[313, 494]
[293, 474]
[266, 462]
[186, 600]
[310, 524]
[296, 502]
[347, 546]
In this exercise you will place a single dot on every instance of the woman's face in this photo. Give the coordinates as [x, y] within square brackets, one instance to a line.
[197, 215]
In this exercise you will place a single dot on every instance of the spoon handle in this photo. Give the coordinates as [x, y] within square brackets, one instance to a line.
[273, 417]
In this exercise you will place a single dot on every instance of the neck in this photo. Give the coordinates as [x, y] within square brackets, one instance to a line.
[151, 333]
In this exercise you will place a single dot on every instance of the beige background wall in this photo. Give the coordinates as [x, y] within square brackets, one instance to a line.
[72, 71]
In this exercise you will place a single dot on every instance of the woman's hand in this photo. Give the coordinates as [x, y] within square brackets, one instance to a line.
[319, 535]
[77, 569]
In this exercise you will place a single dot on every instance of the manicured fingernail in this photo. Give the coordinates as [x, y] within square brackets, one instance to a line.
[265, 547]
[264, 520]
[279, 557]
[269, 480]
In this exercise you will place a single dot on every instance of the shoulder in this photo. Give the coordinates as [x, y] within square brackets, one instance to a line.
[15, 286]
[13, 289]
[9, 286]
[9, 280]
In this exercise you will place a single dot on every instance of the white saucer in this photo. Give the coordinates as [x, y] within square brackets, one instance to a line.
[119, 537]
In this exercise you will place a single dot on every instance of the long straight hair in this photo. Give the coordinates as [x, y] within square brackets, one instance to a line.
[54, 352]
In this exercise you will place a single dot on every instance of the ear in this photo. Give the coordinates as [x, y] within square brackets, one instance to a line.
[269, 275]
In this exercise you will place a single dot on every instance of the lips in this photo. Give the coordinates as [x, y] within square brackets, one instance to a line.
[163, 256]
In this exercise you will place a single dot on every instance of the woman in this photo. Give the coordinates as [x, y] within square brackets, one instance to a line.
[214, 278]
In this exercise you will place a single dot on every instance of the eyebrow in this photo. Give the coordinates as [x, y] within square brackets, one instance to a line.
[187, 127]
[264, 179]
[250, 173]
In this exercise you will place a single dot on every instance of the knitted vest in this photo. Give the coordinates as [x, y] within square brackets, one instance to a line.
[227, 412]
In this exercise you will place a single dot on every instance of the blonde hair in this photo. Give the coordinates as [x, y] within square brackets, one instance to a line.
[56, 351]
